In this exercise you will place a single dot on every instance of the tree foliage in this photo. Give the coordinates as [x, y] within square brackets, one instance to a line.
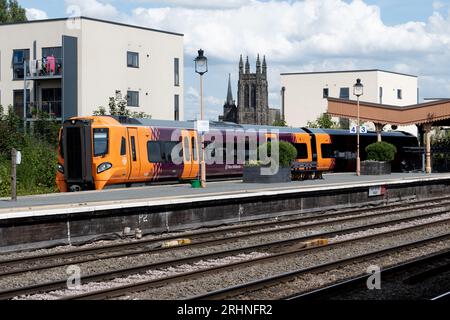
[36, 174]
[279, 123]
[118, 107]
[324, 121]
[381, 151]
[11, 11]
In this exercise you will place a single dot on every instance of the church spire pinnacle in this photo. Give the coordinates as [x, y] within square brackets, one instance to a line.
[264, 66]
[247, 66]
[229, 93]
[241, 65]
[258, 65]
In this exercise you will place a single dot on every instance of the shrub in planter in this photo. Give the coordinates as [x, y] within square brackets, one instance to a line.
[381, 151]
[286, 154]
[379, 155]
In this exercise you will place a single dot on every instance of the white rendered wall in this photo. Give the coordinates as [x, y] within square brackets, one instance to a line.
[304, 92]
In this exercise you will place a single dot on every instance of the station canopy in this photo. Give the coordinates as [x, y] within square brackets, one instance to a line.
[433, 113]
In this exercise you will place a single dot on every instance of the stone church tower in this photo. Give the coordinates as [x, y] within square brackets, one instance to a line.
[253, 96]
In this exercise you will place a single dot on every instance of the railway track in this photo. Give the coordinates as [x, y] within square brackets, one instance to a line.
[211, 237]
[231, 292]
[403, 281]
[114, 292]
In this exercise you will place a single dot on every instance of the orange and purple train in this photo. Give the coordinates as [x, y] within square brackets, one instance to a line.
[103, 151]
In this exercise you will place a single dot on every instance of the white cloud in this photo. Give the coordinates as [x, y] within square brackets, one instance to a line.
[438, 5]
[35, 14]
[92, 8]
[310, 35]
[205, 4]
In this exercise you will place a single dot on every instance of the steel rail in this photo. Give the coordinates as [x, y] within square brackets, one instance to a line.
[54, 285]
[353, 283]
[145, 285]
[237, 237]
[239, 228]
[288, 276]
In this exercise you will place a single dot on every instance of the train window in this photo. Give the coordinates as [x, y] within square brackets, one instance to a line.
[154, 151]
[123, 147]
[327, 151]
[187, 150]
[302, 150]
[100, 142]
[133, 148]
[167, 149]
[194, 148]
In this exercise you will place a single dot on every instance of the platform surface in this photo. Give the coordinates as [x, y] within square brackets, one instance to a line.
[169, 193]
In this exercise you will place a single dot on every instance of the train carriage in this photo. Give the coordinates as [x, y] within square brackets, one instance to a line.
[103, 151]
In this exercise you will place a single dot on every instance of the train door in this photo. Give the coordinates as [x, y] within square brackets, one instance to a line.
[133, 157]
[190, 155]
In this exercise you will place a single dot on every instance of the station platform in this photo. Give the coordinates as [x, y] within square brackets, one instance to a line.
[77, 217]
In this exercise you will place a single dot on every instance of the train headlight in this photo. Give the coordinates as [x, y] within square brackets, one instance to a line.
[60, 168]
[103, 167]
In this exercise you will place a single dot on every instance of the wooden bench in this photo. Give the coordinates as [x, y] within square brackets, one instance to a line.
[306, 171]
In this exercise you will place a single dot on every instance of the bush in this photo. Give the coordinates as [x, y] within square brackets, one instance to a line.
[381, 151]
[287, 152]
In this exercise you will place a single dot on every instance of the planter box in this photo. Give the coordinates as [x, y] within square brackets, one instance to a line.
[369, 167]
[253, 175]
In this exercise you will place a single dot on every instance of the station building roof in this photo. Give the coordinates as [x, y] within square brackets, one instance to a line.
[429, 112]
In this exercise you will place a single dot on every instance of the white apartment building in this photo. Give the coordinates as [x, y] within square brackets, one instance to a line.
[70, 67]
[304, 95]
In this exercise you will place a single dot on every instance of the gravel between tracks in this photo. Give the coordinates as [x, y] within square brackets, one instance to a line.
[54, 274]
[121, 240]
[234, 277]
[230, 278]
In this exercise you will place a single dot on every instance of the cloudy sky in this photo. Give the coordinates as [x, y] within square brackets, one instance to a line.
[409, 36]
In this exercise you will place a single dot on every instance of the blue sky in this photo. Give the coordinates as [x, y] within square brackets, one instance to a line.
[410, 36]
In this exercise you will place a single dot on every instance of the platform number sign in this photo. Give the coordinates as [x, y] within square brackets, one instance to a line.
[362, 129]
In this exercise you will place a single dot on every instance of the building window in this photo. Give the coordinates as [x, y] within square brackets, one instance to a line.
[19, 57]
[133, 98]
[177, 107]
[132, 59]
[52, 51]
[176, 66]
[51, 101]
[18, 103]
[399, 93]
[381, 95]
[344, 93]
[325, 92]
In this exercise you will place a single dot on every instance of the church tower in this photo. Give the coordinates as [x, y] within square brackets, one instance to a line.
[253, 94]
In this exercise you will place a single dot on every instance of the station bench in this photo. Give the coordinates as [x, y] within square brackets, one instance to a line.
[306, 171]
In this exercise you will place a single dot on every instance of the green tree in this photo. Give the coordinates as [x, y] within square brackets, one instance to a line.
[279, 123]
[324, 121]
[11, 11]
[118, 107]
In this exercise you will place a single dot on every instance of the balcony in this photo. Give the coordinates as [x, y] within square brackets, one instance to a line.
[47, 68]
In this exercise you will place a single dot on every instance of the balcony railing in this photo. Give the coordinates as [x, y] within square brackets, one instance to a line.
[46, 68]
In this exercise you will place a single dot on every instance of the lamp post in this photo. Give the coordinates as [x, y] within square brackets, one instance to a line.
[358, 90]
[201, 67]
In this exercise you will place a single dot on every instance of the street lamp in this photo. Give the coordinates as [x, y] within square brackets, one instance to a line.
[201, 67]
[358, 90]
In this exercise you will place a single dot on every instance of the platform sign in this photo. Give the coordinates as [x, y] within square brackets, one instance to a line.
[202, 126]
[362, 129]
[377, 191]
[18, 157]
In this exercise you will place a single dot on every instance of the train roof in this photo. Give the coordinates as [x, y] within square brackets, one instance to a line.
[213, 124]
[220, 125]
